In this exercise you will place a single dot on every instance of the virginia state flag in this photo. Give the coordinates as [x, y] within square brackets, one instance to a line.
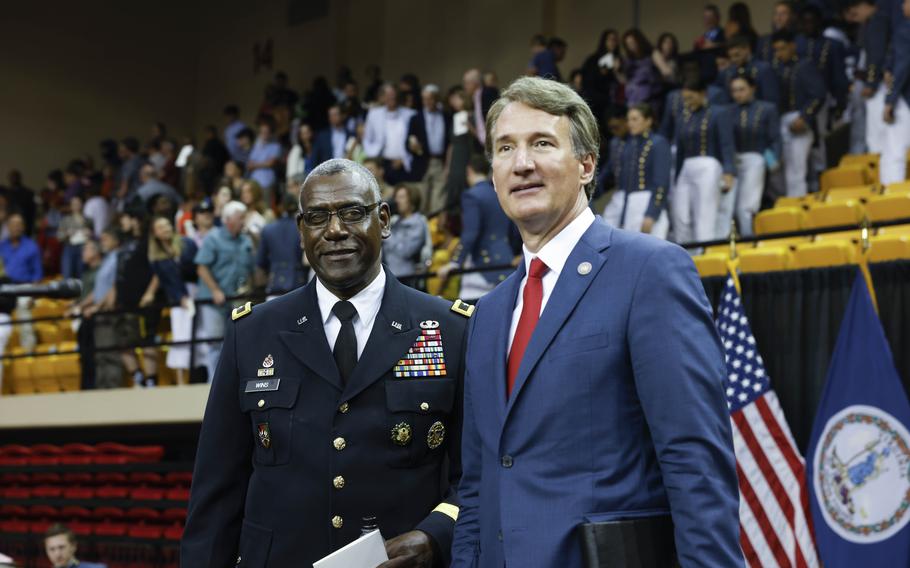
[859, 454]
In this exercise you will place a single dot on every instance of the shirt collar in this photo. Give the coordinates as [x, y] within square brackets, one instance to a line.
[366, 302]
[555, 253]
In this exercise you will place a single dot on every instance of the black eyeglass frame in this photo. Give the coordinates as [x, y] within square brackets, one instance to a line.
[364, 211]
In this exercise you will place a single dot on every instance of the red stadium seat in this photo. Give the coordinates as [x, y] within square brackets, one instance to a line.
[14, 455]
[78, 519]
[178, 494]
[184, 478]
[144, 523]
[77, 454]
[45, 454]
[17, 492]
[109, 521]
[111, 485]
[41, 517]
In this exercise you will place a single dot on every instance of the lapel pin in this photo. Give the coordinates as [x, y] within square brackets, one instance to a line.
[396, 325]
[584, 268]
[301, 321]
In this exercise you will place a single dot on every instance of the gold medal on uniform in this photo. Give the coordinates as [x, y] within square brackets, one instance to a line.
[401, 434]
[436, 436]
[425, 358]
[265, 436]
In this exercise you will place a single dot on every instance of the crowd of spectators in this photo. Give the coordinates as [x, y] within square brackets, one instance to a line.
[691, 142]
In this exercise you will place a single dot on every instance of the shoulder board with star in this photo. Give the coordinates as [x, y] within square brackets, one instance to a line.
[243, 310]
[462, 308]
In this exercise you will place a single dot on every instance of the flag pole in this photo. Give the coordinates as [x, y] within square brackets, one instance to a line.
[864, 262]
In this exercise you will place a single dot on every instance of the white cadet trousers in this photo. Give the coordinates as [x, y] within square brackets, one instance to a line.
[796, 148]
[893, 165]
[875, 125]
[693, 205]
[636, 204]
[745, 197]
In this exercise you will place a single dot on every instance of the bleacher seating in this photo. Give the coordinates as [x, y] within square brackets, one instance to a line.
[123, 501]
[848, 196]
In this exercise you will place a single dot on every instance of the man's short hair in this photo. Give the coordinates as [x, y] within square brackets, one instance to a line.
[739, 41]
[556, 99]
[131, 144]
[695, 83]
[338, 166]
[57, 529]
[744, 77]
[246, 133]
[479, 164]
[713, 9]
[232, 208]
[783, 35]
[431, 89]
[556, 42]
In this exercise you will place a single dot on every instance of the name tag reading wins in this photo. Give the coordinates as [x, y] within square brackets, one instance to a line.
[262, 386]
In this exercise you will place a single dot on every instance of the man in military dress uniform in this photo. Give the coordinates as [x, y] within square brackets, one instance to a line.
[335, 403]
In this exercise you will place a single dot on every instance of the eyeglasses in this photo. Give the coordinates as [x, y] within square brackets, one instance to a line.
[351, 215]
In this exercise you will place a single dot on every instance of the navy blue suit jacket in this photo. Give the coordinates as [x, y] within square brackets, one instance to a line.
[485, 232]
[618, 411]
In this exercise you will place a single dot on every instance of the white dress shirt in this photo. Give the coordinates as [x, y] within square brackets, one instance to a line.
[436, 132]
[386, 133]
[339, 141]
[366, 302]
[554, 254]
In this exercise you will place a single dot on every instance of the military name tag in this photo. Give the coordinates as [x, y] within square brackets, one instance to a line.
[262, 386]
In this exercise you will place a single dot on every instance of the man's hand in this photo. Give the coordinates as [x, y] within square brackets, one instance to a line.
[647, 224]
[798, 126]
[727, 183]
[443, 271]
[218, 297]
[888, 115]
[409, 550]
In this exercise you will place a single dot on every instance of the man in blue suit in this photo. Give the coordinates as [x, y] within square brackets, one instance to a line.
[332, 142]
[594, 375]
[487, 235]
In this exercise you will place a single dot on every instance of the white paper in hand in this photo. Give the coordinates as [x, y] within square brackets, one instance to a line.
[367, 551]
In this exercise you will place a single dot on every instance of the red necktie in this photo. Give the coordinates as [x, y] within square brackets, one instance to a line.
[531, 299]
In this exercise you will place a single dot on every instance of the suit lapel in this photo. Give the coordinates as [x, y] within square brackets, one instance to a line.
[569, 289]
[387, 343]
[308, 343]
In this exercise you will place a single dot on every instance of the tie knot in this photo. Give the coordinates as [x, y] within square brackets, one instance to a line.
[537, 269]
[344, 310]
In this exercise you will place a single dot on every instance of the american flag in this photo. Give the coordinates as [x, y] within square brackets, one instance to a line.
[774, 517]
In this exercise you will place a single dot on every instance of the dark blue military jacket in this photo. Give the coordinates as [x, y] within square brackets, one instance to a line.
[290, 461]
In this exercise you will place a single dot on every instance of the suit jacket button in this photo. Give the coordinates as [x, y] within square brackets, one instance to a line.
[425, 406]
[339, 444]
[338, 482]
[507, 461]
[344, 408]
[337, 522]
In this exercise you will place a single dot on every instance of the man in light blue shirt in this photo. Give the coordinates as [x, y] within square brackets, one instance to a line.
[20, 254]
[264, 156]
[225, 265]
[233, 128]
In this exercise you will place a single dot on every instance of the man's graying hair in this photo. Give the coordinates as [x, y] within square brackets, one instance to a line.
[342, 166]
[556, 99]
